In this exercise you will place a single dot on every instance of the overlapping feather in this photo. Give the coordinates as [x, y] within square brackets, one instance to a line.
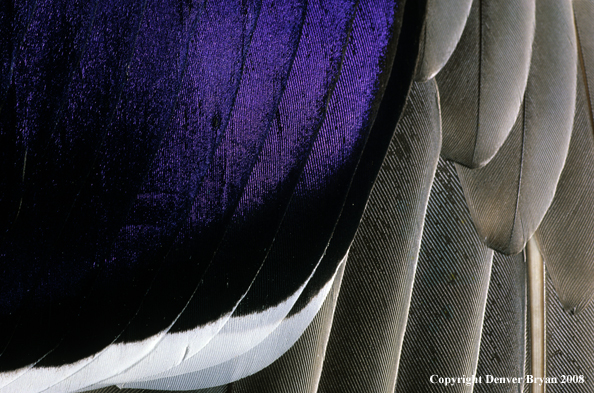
[444, 25]
[164, 200]
[503, 340]
[299, 369]
[289, 126]
[382, 260]
[565, 234]
[445, 320]
[483, 83]
[508, 95]
[509, 196]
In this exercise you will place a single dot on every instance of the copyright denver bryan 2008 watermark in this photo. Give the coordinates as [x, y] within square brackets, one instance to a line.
[492, 379]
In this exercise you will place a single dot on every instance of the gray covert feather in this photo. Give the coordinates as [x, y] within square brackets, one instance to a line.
[483, 83]
[510, 195]
[444, 24]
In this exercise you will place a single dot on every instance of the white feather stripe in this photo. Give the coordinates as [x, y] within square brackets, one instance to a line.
[277, 343]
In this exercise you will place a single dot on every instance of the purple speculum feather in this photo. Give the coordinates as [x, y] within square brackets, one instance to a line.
[164, 163]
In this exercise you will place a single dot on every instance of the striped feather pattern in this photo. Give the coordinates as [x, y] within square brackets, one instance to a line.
[570, 345]
[483, 83]
[503, 340]
[445, 319]
[300, 368]
[564, 234]
[399, 196]
[510, 195]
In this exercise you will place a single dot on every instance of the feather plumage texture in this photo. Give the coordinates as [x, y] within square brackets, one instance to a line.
[165, 193]
[15, 18]
[283, 278]
[398, 83]
[510, 195]
[443, 27]
[50, 181]
[337, 148]
[206, 167]
[584, 12]
[382, 261]
[446, 313]
[528, 363]
[104, 299]
[570, 345]
[564, 236]
[299, 369]
[250, 231]
[277, 31]
[483, 83]
[503, 339]
[265, 352]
